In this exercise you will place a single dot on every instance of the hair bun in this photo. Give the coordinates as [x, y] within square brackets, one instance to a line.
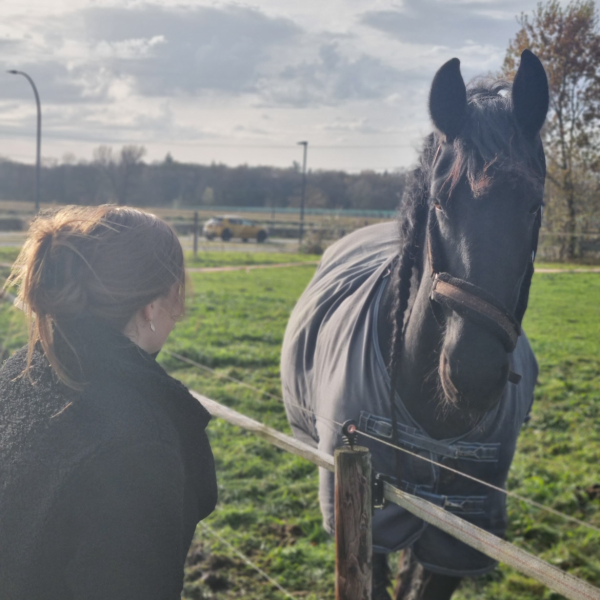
[55, 271]
[105, 262]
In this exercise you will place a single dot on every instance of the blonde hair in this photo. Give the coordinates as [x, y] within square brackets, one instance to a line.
[104, 261]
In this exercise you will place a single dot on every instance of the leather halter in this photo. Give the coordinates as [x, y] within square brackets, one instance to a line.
[469, 300]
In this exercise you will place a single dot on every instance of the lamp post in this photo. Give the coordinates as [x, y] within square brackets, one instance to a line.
[305, 144]
[39, 137]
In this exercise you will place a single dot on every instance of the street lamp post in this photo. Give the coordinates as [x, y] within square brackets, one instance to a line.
[305, 144]
[39, 137]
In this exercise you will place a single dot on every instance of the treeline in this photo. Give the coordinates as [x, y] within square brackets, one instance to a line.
[566, 38]
[125, 178]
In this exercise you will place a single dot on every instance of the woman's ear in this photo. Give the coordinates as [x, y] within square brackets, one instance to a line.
[147, 312]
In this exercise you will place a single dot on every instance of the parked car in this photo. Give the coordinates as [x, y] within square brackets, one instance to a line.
[228, 227]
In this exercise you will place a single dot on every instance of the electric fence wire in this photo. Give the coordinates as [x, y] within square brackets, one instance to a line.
[533, 567]
[266, 575]
[214, 372]
[247, 560]
[509, 493]
[9, 297]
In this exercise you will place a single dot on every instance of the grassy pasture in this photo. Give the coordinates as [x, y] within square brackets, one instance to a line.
[268, 505]
[268, 502]
[211, 259]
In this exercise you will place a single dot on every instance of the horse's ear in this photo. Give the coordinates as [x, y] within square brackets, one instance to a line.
[448, 100]
[530, 95]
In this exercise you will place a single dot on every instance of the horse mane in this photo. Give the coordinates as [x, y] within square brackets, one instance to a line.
[490, 143]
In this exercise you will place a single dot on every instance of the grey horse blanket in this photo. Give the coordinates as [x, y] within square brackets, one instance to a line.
[332, 370]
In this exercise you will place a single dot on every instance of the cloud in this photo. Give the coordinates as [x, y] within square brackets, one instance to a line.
[86, 123]
[55, 81]
[333, 78]
[160, 73]
[107, 54]
[7, 44]
[173, 51]
[360, 125]
[447, 23]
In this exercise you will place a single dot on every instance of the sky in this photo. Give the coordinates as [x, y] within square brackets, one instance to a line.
[239, 82]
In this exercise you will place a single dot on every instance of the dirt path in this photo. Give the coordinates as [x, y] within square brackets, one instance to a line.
[590, 270]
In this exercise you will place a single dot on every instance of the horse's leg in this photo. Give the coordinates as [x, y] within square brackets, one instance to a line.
[439, 587]
[410, 577]
[381, 577]
[417, 583]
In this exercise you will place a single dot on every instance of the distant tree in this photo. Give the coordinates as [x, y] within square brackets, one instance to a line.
[165, 181]
[119, 176]
[208, 196]
[128, 169]
[103, 155]
[361, 193]
[68, 158]
[106, 174]
[566, 38]
[315, 198]
[333, 185]
[123, 177]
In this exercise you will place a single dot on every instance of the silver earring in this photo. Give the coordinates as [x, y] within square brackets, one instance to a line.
[152, 326]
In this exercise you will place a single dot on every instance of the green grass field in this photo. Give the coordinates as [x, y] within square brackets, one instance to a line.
[8, 254]
[227, 259]
[268, 506]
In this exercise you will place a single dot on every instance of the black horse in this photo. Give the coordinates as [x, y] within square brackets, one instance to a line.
[414, 331]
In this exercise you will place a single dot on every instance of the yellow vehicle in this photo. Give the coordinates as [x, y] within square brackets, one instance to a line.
[228, 227]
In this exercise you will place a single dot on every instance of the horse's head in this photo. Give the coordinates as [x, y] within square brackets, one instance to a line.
[486, 177]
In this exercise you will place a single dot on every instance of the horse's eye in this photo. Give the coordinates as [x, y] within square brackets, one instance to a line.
[535, 209]
[438, 206]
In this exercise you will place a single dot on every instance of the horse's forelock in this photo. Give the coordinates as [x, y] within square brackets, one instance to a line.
[491, 144]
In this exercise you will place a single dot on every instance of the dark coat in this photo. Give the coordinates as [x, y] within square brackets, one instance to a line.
[100, 490]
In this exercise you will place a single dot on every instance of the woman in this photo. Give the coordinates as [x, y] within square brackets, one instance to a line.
[105, 467]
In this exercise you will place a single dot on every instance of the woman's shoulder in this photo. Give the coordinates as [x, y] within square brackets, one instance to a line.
[14, 366]
[107, 411]
[134, 401]
[138, 401]
[36, 389]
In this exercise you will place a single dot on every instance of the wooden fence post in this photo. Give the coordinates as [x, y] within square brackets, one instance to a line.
[353, 535]
[195, 234]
